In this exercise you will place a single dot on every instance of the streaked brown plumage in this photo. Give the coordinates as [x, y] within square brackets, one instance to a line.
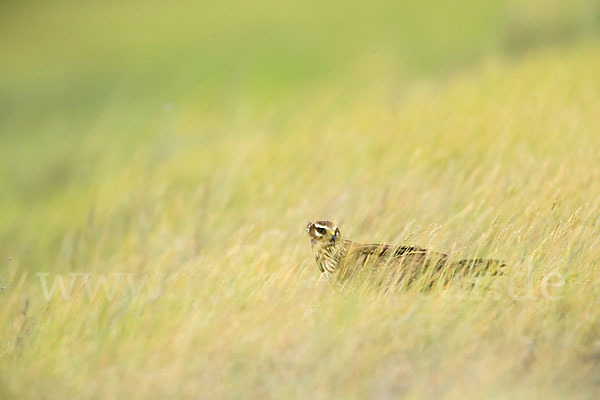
[340, 259]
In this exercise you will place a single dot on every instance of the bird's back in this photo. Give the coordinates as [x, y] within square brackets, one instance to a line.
[398, 261]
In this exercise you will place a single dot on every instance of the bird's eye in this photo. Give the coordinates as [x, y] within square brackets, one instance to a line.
[321, 231]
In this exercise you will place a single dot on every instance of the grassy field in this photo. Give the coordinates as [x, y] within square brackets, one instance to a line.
[159, 167]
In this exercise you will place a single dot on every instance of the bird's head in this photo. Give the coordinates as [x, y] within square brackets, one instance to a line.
[323, 231]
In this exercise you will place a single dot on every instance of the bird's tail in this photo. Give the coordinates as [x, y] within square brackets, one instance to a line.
[480, 266]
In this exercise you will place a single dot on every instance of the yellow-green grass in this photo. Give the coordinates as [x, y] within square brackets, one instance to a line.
[209, 213]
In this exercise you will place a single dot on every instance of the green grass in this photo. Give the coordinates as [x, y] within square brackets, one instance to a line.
[200, 193]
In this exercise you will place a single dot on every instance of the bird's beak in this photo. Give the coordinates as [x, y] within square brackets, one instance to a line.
[332, 233]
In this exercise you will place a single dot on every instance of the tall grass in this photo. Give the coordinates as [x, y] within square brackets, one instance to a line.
[224, 304]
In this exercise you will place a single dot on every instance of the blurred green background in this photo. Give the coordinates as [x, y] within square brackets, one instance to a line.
[67, 54]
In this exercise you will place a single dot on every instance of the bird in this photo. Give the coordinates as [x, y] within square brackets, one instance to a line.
[340, 259]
